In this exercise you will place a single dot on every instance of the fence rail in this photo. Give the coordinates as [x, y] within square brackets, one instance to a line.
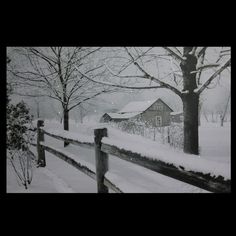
[70, 161]
[70, 140]
[205, 181]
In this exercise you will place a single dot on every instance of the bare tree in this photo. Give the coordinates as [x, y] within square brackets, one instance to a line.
[186, 80]
[51, 72]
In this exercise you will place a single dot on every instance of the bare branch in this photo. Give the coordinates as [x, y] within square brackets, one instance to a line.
[200, 61]
[148, 76]
[177, 50]
[174, 54]
[122, 76]
[223, 53]
[50, 61]
[193, 51]
[206, 66]
[29, 95]
[130, 62]
[88, 98]
[119, 86]
[202, 51]
[214, 76]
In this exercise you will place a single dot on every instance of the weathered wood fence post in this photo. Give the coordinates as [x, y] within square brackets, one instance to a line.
[168, 134]
[41, 151]
[101, 160]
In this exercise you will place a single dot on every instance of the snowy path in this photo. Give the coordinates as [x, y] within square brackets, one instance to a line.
[44, 180]
[132, 178]
[56, 177]
[61, 186]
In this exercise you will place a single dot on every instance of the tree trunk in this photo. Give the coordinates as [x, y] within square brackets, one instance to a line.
[190, 107]
[65, 106]
[221, 121]
[66, 123]
[37, 108]
[190, 102]
[224, 113]
[37, 111]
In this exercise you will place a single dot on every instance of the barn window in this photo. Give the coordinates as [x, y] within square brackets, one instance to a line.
[159, 107]
[158, 121]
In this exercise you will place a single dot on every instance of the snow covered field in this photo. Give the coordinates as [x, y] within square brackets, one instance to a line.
[59, 177]
[215, 142]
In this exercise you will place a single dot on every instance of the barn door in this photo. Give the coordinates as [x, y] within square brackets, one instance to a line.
[158, 121]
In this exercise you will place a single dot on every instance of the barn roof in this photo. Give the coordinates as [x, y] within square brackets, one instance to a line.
[133, 109]
[137, 106]
[140, 106]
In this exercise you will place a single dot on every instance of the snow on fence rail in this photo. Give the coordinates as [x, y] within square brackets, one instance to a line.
[198, 179]
[80, 140]
[213, 183]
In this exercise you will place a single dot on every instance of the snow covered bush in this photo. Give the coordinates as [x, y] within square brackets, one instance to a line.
[18, 137]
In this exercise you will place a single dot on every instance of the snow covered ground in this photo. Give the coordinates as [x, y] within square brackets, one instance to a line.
[215, 142]
[59, 177]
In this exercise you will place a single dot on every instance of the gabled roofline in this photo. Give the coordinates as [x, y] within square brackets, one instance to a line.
[156, 101]
[166, 104]
[141, 112]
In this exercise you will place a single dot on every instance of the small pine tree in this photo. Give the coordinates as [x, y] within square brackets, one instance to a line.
[18, 136]
[17, 119]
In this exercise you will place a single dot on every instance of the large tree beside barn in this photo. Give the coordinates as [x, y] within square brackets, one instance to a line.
[186, 71]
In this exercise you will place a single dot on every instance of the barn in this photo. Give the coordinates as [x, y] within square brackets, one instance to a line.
[155, 112]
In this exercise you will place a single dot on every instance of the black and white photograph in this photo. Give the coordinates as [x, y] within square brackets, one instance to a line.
[116, 119]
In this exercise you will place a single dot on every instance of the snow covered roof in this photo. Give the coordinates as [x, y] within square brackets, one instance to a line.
[137, 106]
[176, 113]
[133, 109]
[123, 116]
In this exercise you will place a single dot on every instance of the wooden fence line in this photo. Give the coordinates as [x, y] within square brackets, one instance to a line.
[70, 161]
[204, 181]
[103, 183]
[80, 167]
[40, 137]
[101, 160]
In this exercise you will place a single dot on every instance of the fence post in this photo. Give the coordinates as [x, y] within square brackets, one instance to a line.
[41, 151]
[101, 159]
[168, 134]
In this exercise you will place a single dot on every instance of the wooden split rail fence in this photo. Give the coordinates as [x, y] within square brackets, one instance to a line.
[215, 184]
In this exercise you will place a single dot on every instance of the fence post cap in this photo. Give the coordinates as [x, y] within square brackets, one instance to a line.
[102, 131]
[40, 122]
